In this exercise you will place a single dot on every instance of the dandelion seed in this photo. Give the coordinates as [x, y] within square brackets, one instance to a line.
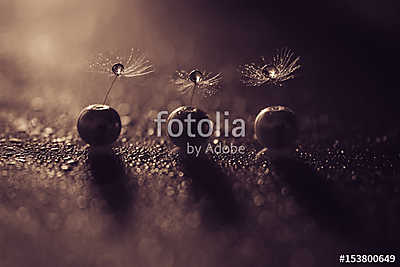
[131, 66]
[205, 83]
[279, 70]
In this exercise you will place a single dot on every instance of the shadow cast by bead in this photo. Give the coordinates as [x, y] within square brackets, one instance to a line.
[111, 180]
[213, 189]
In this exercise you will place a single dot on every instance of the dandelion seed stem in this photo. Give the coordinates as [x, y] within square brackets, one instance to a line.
[109, 89]
[194, 89]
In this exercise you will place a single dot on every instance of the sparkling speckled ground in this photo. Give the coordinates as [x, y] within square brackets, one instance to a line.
[142, 204]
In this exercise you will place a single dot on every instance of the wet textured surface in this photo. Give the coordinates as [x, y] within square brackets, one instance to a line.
[143, 201]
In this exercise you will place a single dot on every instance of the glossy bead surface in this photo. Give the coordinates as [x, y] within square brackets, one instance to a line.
[181, 114]
[276, 127]
[99, 125]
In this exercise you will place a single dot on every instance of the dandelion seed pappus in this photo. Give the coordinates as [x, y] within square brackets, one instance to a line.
[276, 71]
[133, 65]
[197, 82]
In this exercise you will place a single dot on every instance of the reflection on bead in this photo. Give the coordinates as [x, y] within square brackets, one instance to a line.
[276, 127]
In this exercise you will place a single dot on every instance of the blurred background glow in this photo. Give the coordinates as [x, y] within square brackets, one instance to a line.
[45, 47]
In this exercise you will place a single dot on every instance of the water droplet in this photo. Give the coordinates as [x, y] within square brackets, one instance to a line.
[117, 69]
[15, 140]
[195, 76]
[270, 71]
[48, 131]
[150, 132]
[65, 167]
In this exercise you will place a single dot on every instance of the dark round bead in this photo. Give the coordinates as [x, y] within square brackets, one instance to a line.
[183, 139]
[99, 125]
[195, 76]
[276, 127]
